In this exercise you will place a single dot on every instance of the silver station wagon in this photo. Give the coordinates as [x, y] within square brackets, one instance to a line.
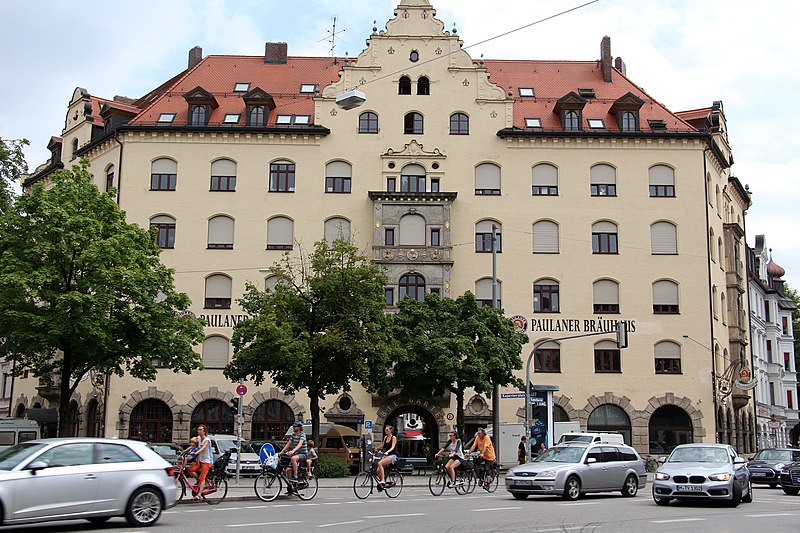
[92, 479]
[573, 469]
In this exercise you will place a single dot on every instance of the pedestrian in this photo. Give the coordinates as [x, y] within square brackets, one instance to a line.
[542, 449]
[521, 452]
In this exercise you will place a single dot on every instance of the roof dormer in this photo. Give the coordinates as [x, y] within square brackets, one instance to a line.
[258, 103]
[201, 103]
[626, 110]
[570, 109]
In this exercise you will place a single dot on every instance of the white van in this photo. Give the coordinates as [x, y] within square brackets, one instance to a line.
[16, 430]
[615, 438]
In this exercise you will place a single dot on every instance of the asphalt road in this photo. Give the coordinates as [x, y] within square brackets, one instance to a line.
[416, 511]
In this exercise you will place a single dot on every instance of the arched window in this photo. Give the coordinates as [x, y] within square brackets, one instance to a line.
[280, 233]
[546, 298]
[459, 124]
[412, 179]
[662, 181]
[404, 86]
[487, 179]
[109, 177]
[73, 419]
[483, 236]
[572, 121]
[151, 421]
[544, 180]
[220, 233]
[165, 230]
[337, 228]
[281, 176]
[368, 122]
[74, 148]
[607, 358]
[215, 352]
[412, 230]
[93, 419]
[271, 420]
[413, 286]
[559, 414]
[604, 238]
[665, 298]
[714, 301]
[218, 292]
[667, 358]
[548, 358]
[423, 85]
[223, 175]
[605, 296]
[664, 238]
[629, 122]
[723, 309]
[257, 116]
[603, 180]
[545, 237]
[163, 175]
[610, 418]
[709, 189]
[198, 115]
[338, 176]
[412, 123]
[721, 253]
[216, 415]
[669, 426]
[483, 292]
[712, 245]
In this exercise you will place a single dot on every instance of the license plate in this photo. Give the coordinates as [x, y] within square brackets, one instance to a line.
[689, 488]
[523, 482]
[758, 474]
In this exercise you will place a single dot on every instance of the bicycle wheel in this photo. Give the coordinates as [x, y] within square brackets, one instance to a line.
[394, 484]
[267, 486]
[495, 479]
[471, 480]
[437, 482]
[306, 489]
[465, 483]
[180, 486]
[213, 498]
[362, 485]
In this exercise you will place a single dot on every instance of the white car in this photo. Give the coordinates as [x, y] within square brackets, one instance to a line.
[249, 460]
[89, 478]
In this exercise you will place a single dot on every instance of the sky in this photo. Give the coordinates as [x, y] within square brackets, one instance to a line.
[684, 53]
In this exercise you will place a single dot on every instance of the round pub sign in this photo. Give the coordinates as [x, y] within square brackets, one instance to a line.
[744, 374]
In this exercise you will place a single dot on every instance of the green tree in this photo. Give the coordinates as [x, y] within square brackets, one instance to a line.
[453, 345]
[12, 166]
[321, 328]
[81, 290]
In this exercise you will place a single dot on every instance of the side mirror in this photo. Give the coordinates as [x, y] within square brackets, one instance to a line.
[36, 466]
[591, 460]
[662, 460]
[739, 461]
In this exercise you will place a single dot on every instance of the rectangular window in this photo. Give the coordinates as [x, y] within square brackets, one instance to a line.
[789, 400]
[607, 361]
[771, 393]
[604, 243]
[596, 123]
[302, 119]
[547, 360]
[769, 351]
[483, 242]
[308, 88]
[435, 185]
[435, 237]
[281, 177]
[545, 299]
[766, 310]
[488, 303]
[163, 182]
[668, 365]
[241, 87]
[391, 184]
[412, 183]
[665, 309]
[785, 325]
[544, 190]
[786, 363]
[223, 183]
[604, 189]
[527, 92]
[166, 118]
[388, 236]
[231, 118]
[662, 191]
[165, 238]
[434, 290]
[218, 303]
[533, 123]
[283, 119]
[337, 185]
[606, 308]
[388, 292]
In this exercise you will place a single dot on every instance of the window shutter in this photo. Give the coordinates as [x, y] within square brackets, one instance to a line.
[483, 289]
[667, 350]
[661, 175]
[338, 169]
[546, 175]
[663, 236]
[220, 230]
[487, 176]
[223, 167]
[665, 293]
[164, 166]
[412, 230]
[605, 292]
[215, 352]
[603, 174]
[545, 237]
[279, 231]
[218, 286]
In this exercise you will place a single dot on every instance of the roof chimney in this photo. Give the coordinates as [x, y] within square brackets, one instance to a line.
[619, 64]
[605, 58]
[276, 53]
[195, 56]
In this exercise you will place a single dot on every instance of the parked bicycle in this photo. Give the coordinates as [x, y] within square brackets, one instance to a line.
[366, 480]
[465, 478]
[216, 481]
[270, 481]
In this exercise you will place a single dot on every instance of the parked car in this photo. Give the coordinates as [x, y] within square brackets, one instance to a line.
[575, 468]
[168, 450]
[765, 466]
[702, 471]
[602, 436]
[88, 478]
[790, 478]
[250, 464]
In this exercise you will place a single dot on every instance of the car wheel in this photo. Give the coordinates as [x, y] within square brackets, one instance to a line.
[736, 494]
[748, 498]
[572, 488]
[144, 507]
[631, 486]
[518, 496]
[791, 491]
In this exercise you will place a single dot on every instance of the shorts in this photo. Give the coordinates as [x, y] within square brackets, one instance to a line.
[460, 460]
[202, 467]
[300, 457]
[393, 457]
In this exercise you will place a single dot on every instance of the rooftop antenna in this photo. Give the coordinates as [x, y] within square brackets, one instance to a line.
[331, 38]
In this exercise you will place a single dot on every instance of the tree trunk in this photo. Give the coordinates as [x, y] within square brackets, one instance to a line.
[460, 413]
[314, 399]
[64, 393]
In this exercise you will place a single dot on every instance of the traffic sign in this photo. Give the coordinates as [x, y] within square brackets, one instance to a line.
[512, 395]
[368, 424]
[360, 419]
[241, 389]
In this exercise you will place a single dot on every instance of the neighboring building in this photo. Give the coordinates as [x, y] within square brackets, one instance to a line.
[772, 350]
[608, 205]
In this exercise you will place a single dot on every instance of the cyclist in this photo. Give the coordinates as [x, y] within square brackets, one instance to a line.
[486, 456]
[389, 444]
[299, 450]
[205, 460]
[455, 450]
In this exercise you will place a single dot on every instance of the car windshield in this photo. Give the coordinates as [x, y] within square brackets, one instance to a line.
[571, 454]
[225, 445]
[11, 457]
[247, 448]
[351, 441]
[575, 438]
[784, 456]
[164, 449]
[699, 454]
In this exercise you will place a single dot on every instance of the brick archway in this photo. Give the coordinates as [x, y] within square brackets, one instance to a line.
[393, 403]
[639, 428]
[260, 397]
[695, 415]
[151, 393]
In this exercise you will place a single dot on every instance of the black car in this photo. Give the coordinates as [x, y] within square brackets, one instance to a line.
[790, 478]
[765, 467]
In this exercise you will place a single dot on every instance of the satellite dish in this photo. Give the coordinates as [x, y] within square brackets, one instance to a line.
[351, 99]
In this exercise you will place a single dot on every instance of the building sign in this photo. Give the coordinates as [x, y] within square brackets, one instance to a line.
[576, 325]
[521, 322]
[222, 321]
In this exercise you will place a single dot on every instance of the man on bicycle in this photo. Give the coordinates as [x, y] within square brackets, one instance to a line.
[205, 460]
[486, 456]
[297, 442]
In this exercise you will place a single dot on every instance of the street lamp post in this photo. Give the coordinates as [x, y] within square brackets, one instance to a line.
[496, 387]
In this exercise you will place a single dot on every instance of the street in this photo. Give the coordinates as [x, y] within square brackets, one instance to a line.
[337, 510]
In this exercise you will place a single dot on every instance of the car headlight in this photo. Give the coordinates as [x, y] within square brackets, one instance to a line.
[661, 476]
[785, 470]
[719, 477]
[779, 466]
[547, 473]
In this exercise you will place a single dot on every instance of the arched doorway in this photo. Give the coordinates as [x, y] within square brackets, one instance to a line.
[20, 412]
[92, 419]
[417, 434]
[610, 418]
[73, 420]
[669, 426]
[271, 420]
[215, 415]
[151, 421]
[559, 414]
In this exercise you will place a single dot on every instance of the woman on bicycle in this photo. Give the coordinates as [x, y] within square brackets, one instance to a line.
[205, 460]
[389, 444]
[455, 450]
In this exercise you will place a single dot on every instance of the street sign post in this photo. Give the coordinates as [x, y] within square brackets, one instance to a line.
[241, 390]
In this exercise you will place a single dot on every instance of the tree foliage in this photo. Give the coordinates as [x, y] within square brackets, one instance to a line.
[81, 290]
[451, 345]
[321, 328]
[12, 166]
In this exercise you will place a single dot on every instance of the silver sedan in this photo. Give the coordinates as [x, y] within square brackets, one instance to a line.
[92, 479]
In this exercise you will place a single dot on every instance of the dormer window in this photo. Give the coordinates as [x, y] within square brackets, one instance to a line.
[308, 88]
[258, 103]
[630, 121]
[571, 120]
[198, 115]
[201, 103]
[526, 92]
[626, 111]
[533, 123]
[241, 87]
[166, 118]
[570, 109]
[257, 116]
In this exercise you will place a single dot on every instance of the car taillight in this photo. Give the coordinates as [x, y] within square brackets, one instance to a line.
[170, 471]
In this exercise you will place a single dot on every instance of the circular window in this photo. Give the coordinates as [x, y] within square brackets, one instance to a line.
[414, 57]
[345, 403]
[476, 405]
[435, 165]
[391, 164]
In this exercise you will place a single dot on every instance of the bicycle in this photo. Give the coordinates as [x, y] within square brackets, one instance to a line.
[367, 479]
[270, 481]
[216, 480]
[480, 473]
[465, 479]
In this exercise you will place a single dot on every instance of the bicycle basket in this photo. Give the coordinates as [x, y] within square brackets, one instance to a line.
[271, 462]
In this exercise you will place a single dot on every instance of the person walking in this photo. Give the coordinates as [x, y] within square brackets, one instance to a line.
[521, 452]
